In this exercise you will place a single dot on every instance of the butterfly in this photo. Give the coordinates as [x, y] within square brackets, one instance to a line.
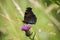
[29, 16]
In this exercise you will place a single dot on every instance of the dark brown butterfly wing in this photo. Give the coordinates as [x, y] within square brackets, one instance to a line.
[29, 17]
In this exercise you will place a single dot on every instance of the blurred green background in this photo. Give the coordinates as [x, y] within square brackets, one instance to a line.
[48, 19]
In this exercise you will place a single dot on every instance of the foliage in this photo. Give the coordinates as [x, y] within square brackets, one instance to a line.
[48, 21]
